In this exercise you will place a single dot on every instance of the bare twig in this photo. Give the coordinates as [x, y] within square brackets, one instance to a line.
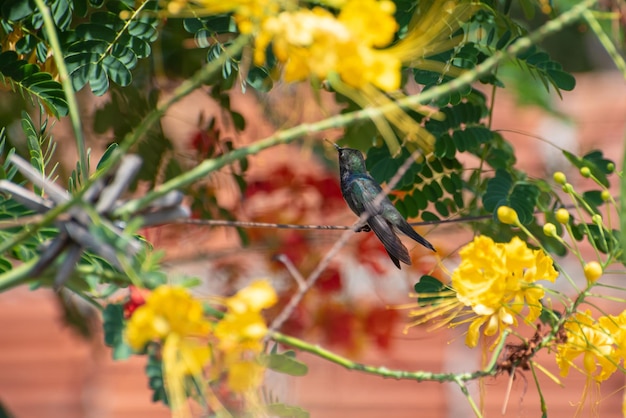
[292, 270]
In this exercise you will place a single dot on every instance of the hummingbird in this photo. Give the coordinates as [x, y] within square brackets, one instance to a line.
[359, 190]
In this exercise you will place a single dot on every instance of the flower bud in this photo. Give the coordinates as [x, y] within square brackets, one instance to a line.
[593, 271]
[605, 195]
[549, 229]
[507, 215]
[559, 177]
[585, 172]
[562, 216]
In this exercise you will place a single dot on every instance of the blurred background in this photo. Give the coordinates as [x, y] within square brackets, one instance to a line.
[53, 365]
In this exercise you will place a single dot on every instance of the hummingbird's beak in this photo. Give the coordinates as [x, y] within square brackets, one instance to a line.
[335, 145]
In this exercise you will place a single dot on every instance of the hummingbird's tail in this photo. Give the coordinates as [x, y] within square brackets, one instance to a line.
[385, 233]
[411, 233]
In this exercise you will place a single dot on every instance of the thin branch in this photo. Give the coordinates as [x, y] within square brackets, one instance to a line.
[246, 224]
[470, 400]
[606, 42]
[419, 376]
[282, 258]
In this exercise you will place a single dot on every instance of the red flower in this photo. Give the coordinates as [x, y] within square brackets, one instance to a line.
[329, 281]
[137, 297]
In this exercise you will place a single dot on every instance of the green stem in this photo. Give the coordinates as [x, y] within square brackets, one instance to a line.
[605, 41]
[16, 276]
[66, 82]
[489, 370]
[290, 135]
[470, 400]
[544, 407]
[20, 275]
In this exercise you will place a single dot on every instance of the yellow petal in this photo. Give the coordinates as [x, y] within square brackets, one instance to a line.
[245, 375]
[473, 332]
[254, 297]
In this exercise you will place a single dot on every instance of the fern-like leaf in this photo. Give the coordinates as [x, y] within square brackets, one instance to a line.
[108, 48]
[26, 78]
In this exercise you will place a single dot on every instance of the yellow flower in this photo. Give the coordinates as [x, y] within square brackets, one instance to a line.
[315, 43]
[168, 310]
[172, 317]
[616, 327]
[241, 331]
[342, 48]
[497, 280]
[245, 375]
[591, 340]
[257, 296]
[360, 16]
[182, 357]
[240, 335]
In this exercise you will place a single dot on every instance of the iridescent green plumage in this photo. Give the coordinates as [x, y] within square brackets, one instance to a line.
[359, 190]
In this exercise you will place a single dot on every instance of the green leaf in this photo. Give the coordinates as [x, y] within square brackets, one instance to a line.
[563, 80]
[285, 363]
[523, 199]
[442, 208]
[109, 48]
[113, 318]
[16, 10]
[497, 190]
[382, 166]
[429, 291]
[107, 154]
[154, 372]
[594, 199]
[5, 265]
[428, 216]
[4, 412]
[412, 208]
[595, 161]
[28, 80]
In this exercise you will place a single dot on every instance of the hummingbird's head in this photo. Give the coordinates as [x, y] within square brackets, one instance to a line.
[351, 160]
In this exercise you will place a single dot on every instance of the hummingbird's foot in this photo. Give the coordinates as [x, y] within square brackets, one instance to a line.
[364, 228]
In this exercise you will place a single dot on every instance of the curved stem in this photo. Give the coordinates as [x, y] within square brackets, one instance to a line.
[420, 376]
[68, 89]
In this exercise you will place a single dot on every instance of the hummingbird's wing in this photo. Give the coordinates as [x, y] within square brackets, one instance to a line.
[385, 233]
[408, 230]
[363, 191]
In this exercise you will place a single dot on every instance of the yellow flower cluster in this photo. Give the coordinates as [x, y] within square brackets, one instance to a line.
[170, 311]
[497, 280]
[189, 342]
[172, 317]
[602, 344]
[315, 42]
[240, 334]
[353, 49]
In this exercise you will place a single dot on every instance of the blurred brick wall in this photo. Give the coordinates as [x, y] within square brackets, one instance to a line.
[47, 371]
